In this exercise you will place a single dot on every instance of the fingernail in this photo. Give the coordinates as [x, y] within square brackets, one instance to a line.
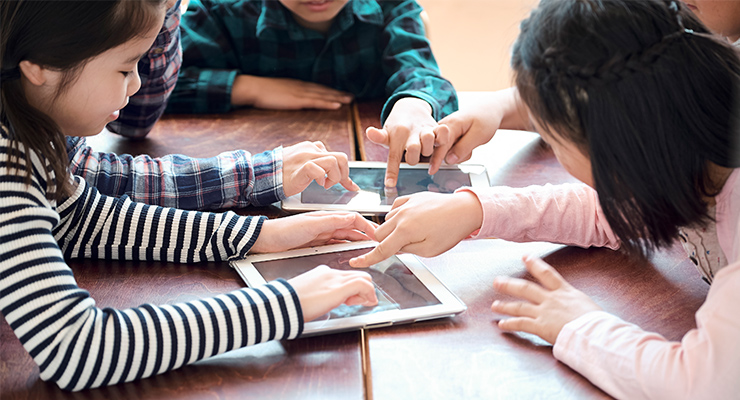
[451, 159]
[390, 182]
[495, 303]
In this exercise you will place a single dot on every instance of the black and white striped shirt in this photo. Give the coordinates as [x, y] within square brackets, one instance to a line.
[78, 345]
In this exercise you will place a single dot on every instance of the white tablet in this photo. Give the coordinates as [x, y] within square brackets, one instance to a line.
[376, 199]
[407, 291]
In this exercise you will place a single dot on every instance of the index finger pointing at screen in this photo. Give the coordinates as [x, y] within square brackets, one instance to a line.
[381, 252]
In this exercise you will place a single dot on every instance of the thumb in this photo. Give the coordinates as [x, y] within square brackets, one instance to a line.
[379, 136]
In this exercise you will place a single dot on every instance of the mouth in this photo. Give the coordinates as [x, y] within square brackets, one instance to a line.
[317, 5]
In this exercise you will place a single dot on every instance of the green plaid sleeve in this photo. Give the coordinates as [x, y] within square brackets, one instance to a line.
[210, 63]
[410, 64]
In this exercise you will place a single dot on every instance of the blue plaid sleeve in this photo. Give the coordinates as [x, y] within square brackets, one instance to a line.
[158, 70]
[409, 63]
[232, 179]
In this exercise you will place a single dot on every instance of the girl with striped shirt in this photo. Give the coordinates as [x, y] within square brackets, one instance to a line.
[59, 81]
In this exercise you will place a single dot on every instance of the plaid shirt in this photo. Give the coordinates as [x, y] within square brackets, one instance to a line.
[373, 50]
[158, 70]
[230, 180]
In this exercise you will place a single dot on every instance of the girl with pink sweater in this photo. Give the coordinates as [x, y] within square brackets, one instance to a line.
[640, 103]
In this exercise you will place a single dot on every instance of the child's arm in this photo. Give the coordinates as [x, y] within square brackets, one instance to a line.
[158, 70]
[79, 346]
[421, 223]
[233, 179]
[412, 72]
[462, 131]
[620, 358]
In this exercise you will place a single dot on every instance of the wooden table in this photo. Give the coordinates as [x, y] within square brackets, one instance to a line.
[463, 357]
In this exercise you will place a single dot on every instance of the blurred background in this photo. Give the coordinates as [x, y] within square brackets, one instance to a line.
[472, 39]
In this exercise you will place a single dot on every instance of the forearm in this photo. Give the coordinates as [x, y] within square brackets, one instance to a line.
[97, 226]
[230, 180]
[568, 214]
[202, 91]
[514, 114]
[629, 363]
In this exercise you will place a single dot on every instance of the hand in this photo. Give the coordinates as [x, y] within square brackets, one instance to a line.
[546, 308]
[462, 131]
[427, 224]
[306, 162]
[322, 289]
[285, 94]
[312, 229]
[409, 128]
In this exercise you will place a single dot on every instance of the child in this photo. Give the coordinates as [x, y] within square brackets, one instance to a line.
[233, 179]
[57, 81]
[292, 54]
[640, 104]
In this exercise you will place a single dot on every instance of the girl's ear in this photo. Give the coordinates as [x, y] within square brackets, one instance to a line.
[35, 73]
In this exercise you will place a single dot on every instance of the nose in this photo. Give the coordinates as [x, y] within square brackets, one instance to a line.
[135, 83]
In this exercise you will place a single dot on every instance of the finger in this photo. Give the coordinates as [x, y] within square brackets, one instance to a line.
[413, 149]
[394, 164]
[397, 204]
[514, 308]
[379, 136]
[427, 139]
[384, 250]
[320, 145]
[329, 169]
[308, 172]
[321, 104]
[350, 235]
[463, 149]
[544, 273]
[519, 324]
[520, 288]
[361, 292]
[441, 135]
[442, 145]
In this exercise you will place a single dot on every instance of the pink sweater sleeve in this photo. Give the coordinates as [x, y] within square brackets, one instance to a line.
[644, 365]
[568, 214]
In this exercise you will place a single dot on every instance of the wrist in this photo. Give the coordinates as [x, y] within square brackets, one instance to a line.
[245, 89]
[471, 209]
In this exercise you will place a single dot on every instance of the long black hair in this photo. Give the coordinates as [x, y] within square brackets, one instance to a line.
[645, 91]
[60, 35]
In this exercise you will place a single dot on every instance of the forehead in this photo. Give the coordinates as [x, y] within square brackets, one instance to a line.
[135, 47]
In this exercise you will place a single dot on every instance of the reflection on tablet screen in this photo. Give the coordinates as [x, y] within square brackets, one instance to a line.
[373, 190]
[395, 285]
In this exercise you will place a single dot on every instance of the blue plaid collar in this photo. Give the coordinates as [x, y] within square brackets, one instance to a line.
[274, 16]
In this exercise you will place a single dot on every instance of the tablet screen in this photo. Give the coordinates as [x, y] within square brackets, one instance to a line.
[373, 190]
[396, 286]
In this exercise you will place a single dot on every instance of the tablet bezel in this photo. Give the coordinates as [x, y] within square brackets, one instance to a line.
[476, 172]
[449, 305]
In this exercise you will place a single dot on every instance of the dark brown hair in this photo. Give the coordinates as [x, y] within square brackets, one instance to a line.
[59, 35]
[645, 91]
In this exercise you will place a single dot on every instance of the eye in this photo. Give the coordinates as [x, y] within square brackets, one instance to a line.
[126, 74]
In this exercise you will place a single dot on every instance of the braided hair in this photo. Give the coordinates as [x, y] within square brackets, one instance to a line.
[645, 91]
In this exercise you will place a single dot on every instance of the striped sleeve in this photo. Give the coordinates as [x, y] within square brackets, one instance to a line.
[78, 345]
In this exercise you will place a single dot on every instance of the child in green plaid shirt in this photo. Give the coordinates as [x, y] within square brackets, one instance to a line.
[292, 54]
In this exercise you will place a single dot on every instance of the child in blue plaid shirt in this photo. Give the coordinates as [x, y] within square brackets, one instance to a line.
[293, 54]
